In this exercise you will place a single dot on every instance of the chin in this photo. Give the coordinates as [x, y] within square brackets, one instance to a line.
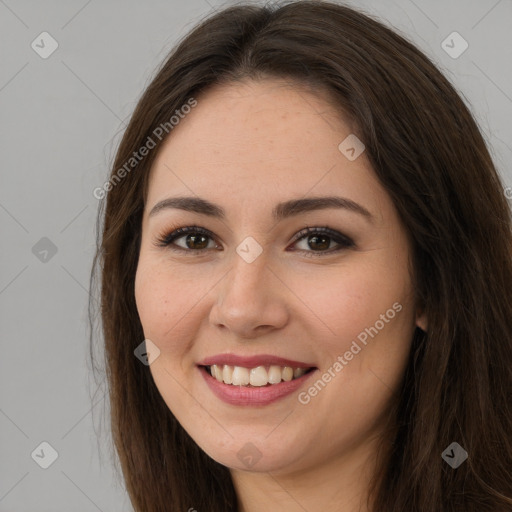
[254, 453]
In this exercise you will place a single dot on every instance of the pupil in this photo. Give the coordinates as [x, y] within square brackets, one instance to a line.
[194, 239]
[314, 239]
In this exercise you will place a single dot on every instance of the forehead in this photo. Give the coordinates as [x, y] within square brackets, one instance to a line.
[257, 139]
[258, 115]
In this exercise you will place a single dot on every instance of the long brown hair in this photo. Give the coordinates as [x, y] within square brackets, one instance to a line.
[426, 149]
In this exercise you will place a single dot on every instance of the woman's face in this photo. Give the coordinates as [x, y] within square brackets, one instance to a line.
[257, 294]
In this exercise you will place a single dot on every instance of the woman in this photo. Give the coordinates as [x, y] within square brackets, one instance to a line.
[306, 281]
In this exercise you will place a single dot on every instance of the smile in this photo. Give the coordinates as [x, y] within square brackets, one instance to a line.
[262, 386]
[255, 377]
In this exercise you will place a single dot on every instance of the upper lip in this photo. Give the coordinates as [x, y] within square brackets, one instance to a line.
[252, 361]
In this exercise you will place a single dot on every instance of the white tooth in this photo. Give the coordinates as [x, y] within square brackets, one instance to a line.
[217, 372]
[240, 376]
[274, 374]
[298, 372]
[287, 373]
[227, 374]
[258, 376]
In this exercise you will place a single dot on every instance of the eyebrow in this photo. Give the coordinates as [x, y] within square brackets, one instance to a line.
[280, 211]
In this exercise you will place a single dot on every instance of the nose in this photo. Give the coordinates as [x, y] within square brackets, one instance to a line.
[250, 301]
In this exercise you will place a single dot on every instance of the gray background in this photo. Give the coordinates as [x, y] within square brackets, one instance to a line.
[61, 121]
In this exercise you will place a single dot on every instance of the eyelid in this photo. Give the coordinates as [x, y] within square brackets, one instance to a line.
[167, 238]
[332, 233]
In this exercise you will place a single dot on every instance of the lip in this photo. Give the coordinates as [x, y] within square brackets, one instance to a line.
[253, 361]
[253, 396]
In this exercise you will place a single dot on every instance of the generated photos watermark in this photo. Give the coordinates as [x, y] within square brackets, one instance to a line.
[304, 397]
[158, 133]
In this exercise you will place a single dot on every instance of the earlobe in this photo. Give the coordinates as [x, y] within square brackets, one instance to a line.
[421, 320]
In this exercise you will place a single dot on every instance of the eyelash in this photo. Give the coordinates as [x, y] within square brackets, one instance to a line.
[167, 239]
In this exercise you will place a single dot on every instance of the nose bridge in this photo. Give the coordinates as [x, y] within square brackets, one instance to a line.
[248, 298]
[247, 278]
[249, 261]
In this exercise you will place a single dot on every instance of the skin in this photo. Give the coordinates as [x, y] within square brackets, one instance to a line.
[246, 147]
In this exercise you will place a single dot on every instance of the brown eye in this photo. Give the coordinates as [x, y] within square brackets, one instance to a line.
[319, 240]
[196, 241]
[192, 238]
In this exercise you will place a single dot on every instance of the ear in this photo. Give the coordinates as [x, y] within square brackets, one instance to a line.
[421, 320]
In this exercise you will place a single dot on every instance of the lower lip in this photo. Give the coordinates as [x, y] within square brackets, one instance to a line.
[241, 395]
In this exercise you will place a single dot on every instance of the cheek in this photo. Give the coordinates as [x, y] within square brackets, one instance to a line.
[159, 311]
[169, 306]
[363, 313]
[156, 300]
[346, 301]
